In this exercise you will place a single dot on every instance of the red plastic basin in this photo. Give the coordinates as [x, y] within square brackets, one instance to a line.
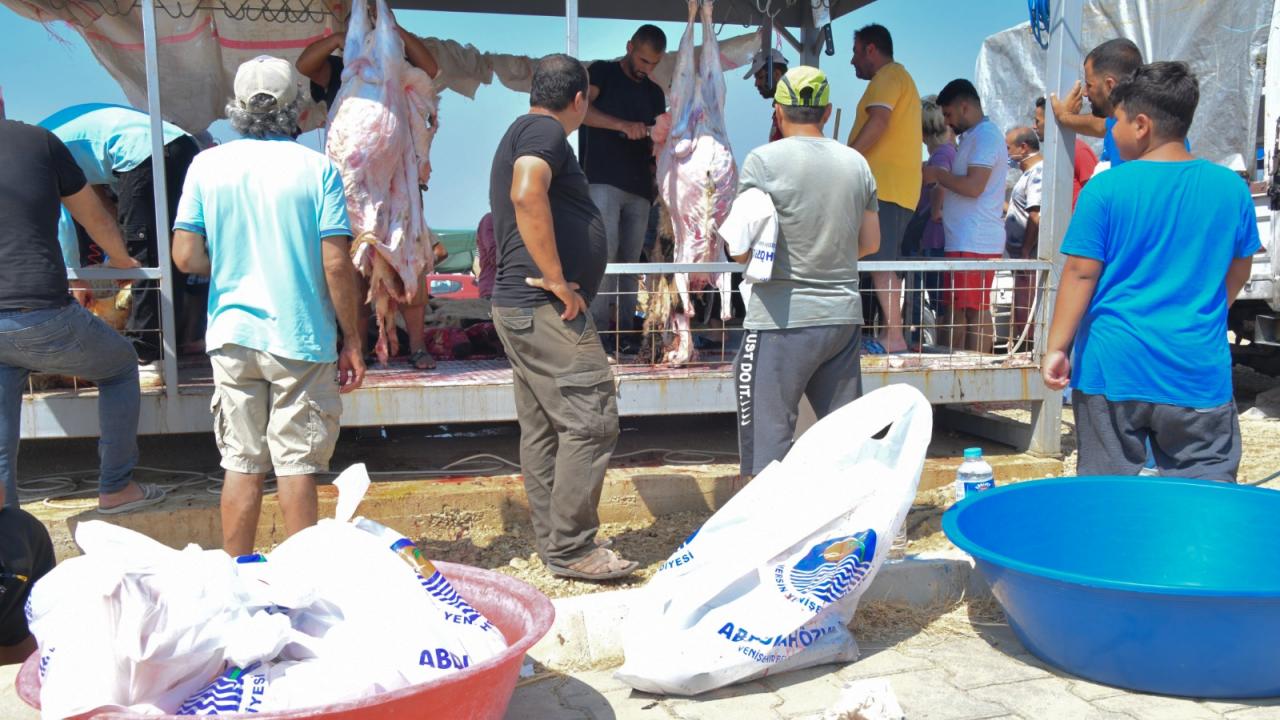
[480, 692]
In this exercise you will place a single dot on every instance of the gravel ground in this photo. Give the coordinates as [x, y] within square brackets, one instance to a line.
[652, 543]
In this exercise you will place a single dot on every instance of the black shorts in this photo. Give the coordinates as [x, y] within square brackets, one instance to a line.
[26, 555]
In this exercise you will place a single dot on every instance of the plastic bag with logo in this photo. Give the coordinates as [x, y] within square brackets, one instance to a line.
[133, 624]
[770, 582]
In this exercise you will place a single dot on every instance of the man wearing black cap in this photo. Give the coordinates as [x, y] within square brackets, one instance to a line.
[767, 81]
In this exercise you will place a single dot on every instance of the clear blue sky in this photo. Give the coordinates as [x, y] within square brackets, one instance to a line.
[47, 69]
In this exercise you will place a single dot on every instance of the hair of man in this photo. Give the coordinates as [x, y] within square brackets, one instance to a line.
[262, 117]
[650, 36]
[878, 35]
[557, 80]
[1166, 92]
[956, 90]
[1040, 102]
[1026, 136]
[803, 114]
[1118, 58]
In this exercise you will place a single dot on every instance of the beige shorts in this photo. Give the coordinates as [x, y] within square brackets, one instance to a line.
[273, 412]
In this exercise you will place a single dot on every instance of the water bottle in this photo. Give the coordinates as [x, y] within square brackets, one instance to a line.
[399, 544]
[974, 475]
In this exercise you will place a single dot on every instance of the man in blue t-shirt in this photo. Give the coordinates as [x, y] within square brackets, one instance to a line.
[1156, 252]
[266, 219]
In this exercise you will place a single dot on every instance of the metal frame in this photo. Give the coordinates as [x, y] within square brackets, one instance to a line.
[178, 410]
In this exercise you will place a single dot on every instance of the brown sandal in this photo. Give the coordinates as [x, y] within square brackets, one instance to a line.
[422, 360]
[599, 564]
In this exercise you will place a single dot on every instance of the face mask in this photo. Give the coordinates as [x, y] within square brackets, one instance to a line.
[1015, 163]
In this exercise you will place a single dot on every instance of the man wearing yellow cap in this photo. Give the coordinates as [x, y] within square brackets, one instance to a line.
[804, 323]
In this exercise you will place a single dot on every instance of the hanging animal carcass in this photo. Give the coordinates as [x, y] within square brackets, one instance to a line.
[697, 177]
[380, 133]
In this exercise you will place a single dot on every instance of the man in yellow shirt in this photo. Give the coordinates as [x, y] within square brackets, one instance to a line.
[888, 132]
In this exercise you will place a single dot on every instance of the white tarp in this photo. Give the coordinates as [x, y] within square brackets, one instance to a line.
[198, 56]
[1224, 42]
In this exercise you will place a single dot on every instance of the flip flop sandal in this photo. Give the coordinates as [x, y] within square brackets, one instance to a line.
[418, 357]
[620, 572]
[151, 494]
[871, 346]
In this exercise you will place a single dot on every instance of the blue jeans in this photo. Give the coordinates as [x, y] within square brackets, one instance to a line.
[626, 217]
[70, 341]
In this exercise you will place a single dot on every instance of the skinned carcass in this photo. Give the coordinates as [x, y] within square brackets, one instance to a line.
[380, 133]
[697, 175]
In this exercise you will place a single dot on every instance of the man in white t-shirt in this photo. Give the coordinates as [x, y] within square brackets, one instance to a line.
[972, 212]
[1022, 224]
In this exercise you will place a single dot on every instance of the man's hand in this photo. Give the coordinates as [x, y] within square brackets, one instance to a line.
[930, 174]
[1072, 104]
[1057, 370]
[567, 293]
[350, 367]
[81, 291]
[634, 130]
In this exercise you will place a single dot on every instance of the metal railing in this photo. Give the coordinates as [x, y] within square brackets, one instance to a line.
[937, 336]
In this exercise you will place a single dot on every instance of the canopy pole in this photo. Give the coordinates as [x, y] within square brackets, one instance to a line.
[810, 40]
[168, 333]
[571, 27]
[1063, 63]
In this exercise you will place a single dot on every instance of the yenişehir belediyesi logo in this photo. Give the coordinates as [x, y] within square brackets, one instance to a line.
[834, 567]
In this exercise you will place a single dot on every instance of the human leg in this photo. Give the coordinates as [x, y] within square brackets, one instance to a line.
[770, 378]
[12, 381]
[608, 200]
[240, 407]
[1110, 436]
[632, 223]
[302, 431]
[1201, 443]
[838, 380]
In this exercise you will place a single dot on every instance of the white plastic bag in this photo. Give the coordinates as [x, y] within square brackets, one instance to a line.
[138, 625]
[771, 581]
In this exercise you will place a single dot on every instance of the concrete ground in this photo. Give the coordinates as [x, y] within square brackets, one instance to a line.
[983, 675]
[977, 675]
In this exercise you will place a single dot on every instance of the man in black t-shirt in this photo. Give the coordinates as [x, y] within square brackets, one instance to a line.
[41, 330]
[26, 555]
[618, 157]
[551, 257]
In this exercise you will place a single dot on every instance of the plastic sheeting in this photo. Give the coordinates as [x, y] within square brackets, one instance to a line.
[1224, 42]
[198, 56]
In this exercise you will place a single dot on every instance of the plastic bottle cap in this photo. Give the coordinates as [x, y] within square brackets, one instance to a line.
[973, 453]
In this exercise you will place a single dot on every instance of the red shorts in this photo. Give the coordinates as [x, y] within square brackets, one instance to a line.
[970, 289]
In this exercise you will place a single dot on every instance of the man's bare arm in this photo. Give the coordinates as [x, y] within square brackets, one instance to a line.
[1067, 111]
[605, 121]
[89, 211]
[418, 54]
[873, 130]
[869, 234]
[1079, 280]
[314, 60]
[530, 187]
[971, 184]
[189, 253]
[1031, 244]
[1237, 275]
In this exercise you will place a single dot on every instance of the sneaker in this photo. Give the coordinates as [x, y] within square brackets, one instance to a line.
[150, 375]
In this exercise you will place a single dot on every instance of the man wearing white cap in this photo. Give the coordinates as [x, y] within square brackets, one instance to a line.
[768, 67]
[266, 219]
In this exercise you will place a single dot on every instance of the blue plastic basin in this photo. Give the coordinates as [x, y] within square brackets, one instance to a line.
[1160, 585]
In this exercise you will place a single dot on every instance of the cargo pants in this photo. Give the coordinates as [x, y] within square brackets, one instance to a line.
[568, 413]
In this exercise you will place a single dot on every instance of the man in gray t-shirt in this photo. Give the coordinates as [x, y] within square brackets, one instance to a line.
[804, 323]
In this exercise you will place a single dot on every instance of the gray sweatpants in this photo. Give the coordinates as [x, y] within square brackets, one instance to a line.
[1186, 442]
[775, 368]
[568, 413]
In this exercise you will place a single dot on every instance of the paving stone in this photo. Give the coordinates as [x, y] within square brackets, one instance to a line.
[972, 663]
[1046, 698]
[1226, 707]
[1157, 707]
[538, 701]
[595, 682]
[882, 663]
[1091, 691]
[929, 695]
[805, 692]
[1255, 713]
[621, 705]
[749, 700]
